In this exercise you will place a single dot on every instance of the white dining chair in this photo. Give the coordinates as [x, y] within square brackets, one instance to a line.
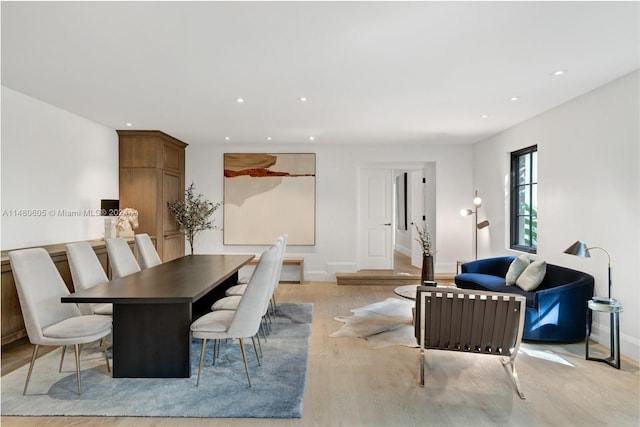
[238, 290]
[147, 253]
[123, 262]
[231, 302]
[48, 320]
[243, 322]
[87, 272]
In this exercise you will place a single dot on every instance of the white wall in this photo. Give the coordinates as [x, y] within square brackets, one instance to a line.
[53, 161]
[337, 167]
[589, 190]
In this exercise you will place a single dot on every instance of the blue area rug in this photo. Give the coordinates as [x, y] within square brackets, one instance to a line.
[277, 392]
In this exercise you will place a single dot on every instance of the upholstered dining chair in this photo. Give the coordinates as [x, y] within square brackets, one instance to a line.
[123, 262]
[243, 322]
[231, 302]
[238, 290]
[146, 251]
[86, 272]
[49, 321]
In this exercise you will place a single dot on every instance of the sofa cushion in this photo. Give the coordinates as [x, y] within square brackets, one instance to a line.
[515, 269]
[532, 276]
[487, 282]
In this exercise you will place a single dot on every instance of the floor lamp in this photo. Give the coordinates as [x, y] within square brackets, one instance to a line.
[580, 249]
[477, 202]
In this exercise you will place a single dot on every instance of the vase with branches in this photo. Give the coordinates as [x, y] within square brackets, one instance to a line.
[193, 215]
[426, 244]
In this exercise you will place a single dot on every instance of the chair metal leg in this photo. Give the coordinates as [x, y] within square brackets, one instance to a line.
[244, 357]
[422, 362]
[510, 367]
[64, 350]
[259, 345]
[216, 350]
[76, 348]
[264, 334]
[103, 344]
[253, 340]
[204, 341]
[33, 360]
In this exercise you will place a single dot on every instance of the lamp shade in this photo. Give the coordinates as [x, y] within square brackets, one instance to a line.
[578, 249]
[482, 224]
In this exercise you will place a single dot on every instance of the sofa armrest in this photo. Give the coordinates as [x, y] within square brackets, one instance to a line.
[576, 292]
[497, 266]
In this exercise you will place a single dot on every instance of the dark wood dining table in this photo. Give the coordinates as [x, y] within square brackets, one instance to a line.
[153, 310]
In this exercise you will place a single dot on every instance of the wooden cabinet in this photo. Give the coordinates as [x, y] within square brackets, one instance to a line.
[152, 174]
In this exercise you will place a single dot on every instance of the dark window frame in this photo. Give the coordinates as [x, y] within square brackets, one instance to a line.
[514, 214]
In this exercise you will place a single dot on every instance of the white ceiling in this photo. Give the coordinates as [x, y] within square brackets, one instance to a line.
[374, 72]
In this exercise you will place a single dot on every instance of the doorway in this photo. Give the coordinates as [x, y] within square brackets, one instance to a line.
[379, 233]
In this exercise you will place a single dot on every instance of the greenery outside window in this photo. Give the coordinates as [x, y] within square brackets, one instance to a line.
[524, 200]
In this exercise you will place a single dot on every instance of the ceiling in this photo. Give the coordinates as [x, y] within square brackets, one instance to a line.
[373, 72]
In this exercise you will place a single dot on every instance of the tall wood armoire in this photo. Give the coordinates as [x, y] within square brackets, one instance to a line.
[152, 174]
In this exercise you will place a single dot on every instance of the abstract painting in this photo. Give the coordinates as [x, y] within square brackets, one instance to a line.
[267, 195]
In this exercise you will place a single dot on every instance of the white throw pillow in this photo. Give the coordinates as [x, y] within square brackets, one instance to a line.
[516, 268]
[532, 276]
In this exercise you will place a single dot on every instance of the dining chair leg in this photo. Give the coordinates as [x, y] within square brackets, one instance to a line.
[264, 334]
[259, 344]
[76, 348]
[103, 343]
[33, 360]
[64, 350]
[253, 340]
[244, 357]
[204, 341]
[216, 350]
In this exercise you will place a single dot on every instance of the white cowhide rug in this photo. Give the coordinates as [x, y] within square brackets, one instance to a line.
[384, 323]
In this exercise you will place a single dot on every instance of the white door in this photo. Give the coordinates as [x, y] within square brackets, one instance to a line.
[376, 219]
[417, 214]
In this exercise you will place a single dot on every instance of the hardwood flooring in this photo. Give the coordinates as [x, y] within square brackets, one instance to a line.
[350, 384]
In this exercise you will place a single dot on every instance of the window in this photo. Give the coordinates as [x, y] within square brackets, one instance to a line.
[524, 199]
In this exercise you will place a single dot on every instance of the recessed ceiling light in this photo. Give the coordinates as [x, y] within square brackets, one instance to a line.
[227, 138]
[514, 98]
[484, 116]
[558, 72]
[303, 99]
[268, 138]
[128, 124]
[312, 138]
[239, 100]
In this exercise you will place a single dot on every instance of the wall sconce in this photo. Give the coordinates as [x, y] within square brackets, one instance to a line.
[477, 202]
[109, 208]
[581, 250]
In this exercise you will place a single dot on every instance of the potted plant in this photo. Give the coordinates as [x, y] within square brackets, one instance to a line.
[424, 238]
[193, 215]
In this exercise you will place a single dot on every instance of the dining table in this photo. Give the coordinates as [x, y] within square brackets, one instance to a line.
[153, 310]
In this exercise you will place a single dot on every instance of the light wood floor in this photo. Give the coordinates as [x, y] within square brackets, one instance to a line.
[349, 384]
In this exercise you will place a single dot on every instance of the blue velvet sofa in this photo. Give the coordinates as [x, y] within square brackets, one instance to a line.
[556, 309]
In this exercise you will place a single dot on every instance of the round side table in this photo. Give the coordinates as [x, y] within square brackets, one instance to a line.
[614, 310]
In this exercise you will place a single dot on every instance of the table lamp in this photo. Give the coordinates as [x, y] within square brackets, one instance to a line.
[580, 249]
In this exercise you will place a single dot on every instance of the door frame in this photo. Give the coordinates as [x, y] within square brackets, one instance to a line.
[393, 167]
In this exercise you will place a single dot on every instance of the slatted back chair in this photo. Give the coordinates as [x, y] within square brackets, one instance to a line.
[452, 319]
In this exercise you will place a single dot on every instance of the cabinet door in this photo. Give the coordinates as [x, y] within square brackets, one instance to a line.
[139, 190]
[173, 238]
